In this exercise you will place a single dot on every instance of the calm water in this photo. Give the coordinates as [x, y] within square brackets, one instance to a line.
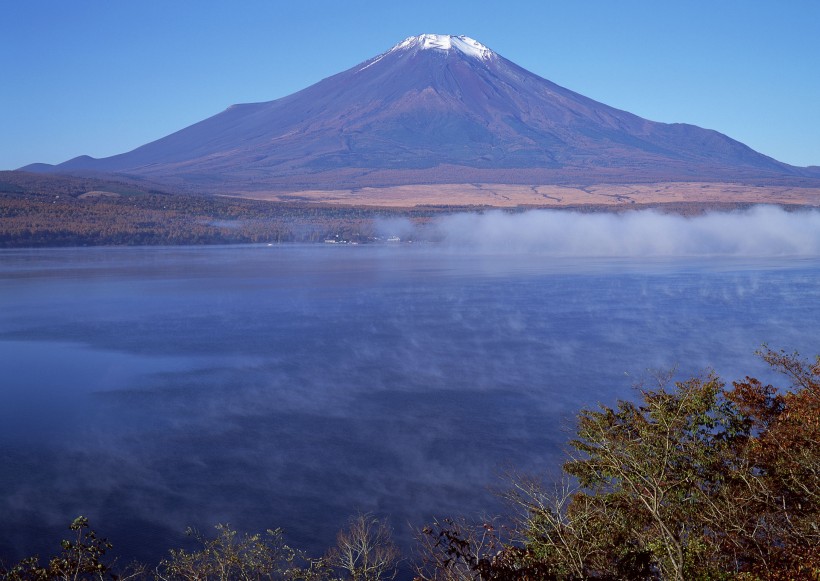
[155, 389]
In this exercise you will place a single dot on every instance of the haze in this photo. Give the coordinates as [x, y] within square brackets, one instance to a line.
[760, 231]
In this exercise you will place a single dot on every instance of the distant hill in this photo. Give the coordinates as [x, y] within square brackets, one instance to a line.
[35, 184]
[435, 109]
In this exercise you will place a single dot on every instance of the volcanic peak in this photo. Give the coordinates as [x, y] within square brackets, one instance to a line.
[434, 109]
[446, 42]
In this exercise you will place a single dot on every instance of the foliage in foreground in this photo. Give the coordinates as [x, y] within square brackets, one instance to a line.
[233, 556]
[82, 557]
[364, 552]
[696, 481]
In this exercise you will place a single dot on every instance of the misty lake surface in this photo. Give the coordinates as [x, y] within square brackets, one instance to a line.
[152, 389]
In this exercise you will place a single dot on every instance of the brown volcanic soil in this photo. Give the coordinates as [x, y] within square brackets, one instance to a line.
[551, 196]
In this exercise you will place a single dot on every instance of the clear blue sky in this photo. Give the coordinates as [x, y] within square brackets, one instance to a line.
[101, 77]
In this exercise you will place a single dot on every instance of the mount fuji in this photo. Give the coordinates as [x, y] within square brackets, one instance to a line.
[434, 109]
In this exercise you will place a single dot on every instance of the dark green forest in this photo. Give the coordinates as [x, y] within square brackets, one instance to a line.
[693, 479]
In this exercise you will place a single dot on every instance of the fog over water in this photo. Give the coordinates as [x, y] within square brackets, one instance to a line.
[759, 231]
[153, 389]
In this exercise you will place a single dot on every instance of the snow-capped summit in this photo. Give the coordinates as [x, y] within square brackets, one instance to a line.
[446, 42]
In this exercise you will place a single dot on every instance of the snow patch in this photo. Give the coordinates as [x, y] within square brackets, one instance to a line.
[443, 42]
[463, 44]
[373, 62]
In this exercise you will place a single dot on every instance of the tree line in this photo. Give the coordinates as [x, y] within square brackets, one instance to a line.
[40, 210]
[694, 479]
[160, 219]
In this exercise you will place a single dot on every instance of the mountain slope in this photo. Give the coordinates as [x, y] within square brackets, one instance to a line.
[433, 109]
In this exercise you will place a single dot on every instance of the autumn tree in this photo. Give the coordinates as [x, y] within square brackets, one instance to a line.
[365, 550]
[780, 539]
[232, 556]
[461, 550]
[692, 481]
[82, 558]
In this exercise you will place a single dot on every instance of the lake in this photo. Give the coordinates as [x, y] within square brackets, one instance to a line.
[152, 389]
